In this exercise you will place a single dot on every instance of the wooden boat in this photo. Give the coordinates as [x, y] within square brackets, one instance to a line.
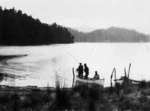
[89, 81]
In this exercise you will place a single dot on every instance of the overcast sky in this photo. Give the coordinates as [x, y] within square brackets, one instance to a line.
[132, 14]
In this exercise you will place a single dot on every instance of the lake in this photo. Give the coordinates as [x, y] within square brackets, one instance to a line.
[46, 64]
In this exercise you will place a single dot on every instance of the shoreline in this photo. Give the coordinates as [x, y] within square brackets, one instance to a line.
[3, 57]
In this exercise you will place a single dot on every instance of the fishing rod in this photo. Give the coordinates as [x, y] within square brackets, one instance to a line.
[72, 56]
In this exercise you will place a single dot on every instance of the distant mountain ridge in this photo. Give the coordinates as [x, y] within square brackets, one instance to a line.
[112, 34]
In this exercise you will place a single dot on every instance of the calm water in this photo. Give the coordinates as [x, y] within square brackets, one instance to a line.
[44, 63]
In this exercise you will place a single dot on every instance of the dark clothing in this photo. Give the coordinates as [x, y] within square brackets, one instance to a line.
[86, 70]
[96, 76]
[80, 71]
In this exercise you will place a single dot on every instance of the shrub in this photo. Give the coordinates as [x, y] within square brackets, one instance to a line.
[128, 104]
[63, 97]
[143, 84]
[148, 83]
[82, 90]
[143, 99]
[146, 106]
[92, 105]
[32, 101]
[5, 98]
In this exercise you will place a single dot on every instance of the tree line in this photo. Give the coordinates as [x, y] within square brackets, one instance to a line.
[17, 28]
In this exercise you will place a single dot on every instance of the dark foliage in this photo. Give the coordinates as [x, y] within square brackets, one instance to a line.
[148, 83]
[92, 105]
[143, 99]
[9, 102]
[82, 90]
[146, 106]
[143, 84]
[92, 95]
[35, 100]
[128, 104]
[4, 98]
[118, 88]
[62, 100]
[17, 28]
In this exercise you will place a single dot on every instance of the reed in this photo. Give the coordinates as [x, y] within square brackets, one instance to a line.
[62, 100]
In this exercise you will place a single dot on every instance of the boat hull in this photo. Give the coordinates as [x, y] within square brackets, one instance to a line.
[80, 81]
[89, 81]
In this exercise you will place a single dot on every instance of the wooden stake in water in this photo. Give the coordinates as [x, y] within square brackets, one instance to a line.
[115, 75]
[111, 79]
[129, 70]
[73, 77]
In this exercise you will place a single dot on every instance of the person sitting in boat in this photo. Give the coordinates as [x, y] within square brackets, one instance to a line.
[96, 76]
[80, 70]
[86, 70]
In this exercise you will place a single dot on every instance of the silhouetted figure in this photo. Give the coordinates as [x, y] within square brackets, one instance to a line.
[80, 70]
[86, 70]
[96, 76]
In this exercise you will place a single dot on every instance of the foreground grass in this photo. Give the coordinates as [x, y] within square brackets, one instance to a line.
[79, 98]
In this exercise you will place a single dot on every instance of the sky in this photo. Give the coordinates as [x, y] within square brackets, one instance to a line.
[96, 14]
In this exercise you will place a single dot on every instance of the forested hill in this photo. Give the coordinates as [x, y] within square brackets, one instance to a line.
[17, 28]
[112, 34]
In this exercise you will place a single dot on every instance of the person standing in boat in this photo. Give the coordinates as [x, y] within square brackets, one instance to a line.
[86, 70]
[80, 70]
[96, 76]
